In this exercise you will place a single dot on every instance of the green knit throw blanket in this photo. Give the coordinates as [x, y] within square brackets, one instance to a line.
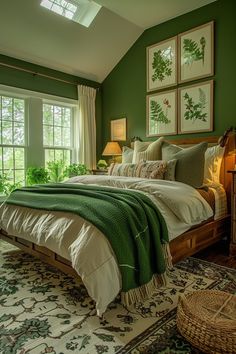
[129, 219]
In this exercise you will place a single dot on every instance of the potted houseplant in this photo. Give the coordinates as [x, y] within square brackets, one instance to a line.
[36, 175]
[75, 169]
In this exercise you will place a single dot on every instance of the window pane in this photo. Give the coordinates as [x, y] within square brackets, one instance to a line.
[7, 132]
[57, 9]
[12, 133]
[6, 108]
[68, 14]
[67, 117]
[67, 156]
[19, 134]
[20, 158]
[0, 160]
[20, 176]
[58, 154]
[8, 162]
[19, 110]
[66, 137]
[10, 175]
[57, 136]
[47, 114]
[57, 115]
[71, 7]
[57, 131]
[49, 155]
[48, 135]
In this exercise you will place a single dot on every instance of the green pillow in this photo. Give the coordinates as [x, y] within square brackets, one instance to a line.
[190, 162]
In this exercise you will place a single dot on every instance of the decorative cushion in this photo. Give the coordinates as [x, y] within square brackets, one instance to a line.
[190, 162]
[122, 169]
[127, 154]
[151, 169]
[213, 159]
[147, 151]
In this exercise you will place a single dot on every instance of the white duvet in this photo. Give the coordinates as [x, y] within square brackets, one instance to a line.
[86, 247]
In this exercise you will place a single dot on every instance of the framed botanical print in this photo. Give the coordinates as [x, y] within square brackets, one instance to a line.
[195, 108]
[118, 129]
[162, 64]
[196, 53]
[162, 113]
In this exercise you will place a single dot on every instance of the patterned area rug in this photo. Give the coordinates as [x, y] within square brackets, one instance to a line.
[45, 311]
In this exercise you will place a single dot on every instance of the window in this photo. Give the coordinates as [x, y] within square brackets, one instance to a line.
[81, 11]
[61, 7]
[57, 137]
[12, 138]
[35, 128]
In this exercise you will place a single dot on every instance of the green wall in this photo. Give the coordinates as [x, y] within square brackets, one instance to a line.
[29, 81]
[124, 90]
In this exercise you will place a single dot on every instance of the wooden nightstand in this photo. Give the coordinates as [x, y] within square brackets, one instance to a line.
[99, 172]
[233, 214]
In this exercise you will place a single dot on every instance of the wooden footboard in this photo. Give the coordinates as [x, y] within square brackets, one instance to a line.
[183, 246]
[43, 253]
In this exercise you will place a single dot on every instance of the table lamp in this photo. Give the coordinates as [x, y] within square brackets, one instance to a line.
[113, 149]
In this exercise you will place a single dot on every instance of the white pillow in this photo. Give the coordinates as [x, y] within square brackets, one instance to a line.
[127, 154]
[147, 151]
[213, 159]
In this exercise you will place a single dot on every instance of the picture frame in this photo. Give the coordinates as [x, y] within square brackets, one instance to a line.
[196, 53]
[118, 129]
[161, 113]
[195, 108]
[162, 64]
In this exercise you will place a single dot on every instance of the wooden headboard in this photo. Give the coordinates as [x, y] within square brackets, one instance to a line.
[228, 163]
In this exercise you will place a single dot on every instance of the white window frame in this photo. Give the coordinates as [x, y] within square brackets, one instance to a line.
[17, 96]
[34, 153]
[72, 146]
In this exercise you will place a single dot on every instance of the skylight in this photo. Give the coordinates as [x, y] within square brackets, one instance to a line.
[81, 11]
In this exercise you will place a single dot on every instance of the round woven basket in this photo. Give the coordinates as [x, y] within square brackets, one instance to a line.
[207, 319]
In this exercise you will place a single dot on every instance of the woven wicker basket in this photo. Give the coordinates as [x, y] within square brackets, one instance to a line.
[207, 319]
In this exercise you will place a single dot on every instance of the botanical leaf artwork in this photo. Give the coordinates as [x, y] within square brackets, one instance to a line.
[194, 111]
[161, 64]
[157, 114]
[194, 51]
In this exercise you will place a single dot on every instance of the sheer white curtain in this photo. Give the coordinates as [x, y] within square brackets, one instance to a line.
[85, 127]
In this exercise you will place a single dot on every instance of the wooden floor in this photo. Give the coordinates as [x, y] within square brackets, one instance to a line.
[219, 254]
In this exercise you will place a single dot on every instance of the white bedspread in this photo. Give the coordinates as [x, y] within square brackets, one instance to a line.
[86, 247]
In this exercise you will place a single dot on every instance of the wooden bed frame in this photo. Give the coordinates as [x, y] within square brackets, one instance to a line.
[184, 245]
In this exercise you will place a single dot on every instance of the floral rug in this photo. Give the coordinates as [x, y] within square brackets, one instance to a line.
[45, 311]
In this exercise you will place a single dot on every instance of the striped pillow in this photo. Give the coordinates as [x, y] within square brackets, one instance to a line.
[122, 169]
[147, 151]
